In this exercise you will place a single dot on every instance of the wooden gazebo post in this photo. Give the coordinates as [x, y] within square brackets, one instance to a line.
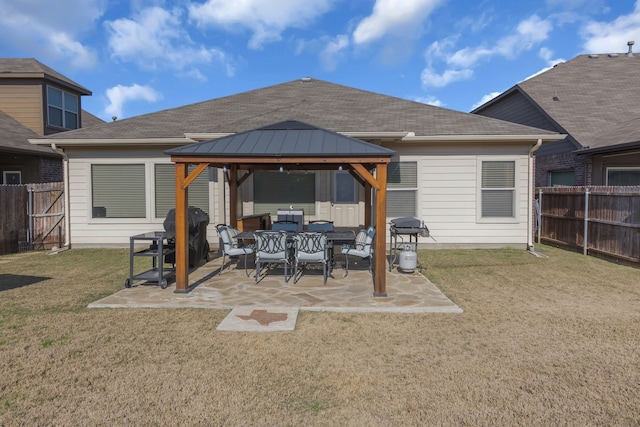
[380, 268]
[182, 228]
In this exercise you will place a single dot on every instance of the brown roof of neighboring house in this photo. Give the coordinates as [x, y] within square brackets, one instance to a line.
[30, 67]
[328, 105]
[594, 98]
[14, 138]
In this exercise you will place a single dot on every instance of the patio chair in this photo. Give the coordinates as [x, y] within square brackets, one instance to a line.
[320, 225]
[284, 225]
[311, 247]
[231, 247]
[361, 248]
[271, 248]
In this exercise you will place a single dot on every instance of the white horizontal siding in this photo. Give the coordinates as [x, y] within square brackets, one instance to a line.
[448, 195]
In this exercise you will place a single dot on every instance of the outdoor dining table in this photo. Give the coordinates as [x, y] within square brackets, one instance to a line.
[334, 238]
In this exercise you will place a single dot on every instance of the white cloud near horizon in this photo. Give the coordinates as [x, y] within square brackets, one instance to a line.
[119, 95]
[155, 37]
[429, 100]
[266, 20]
[486, 98]
[612, 37]
[333, 52]
[54, 33]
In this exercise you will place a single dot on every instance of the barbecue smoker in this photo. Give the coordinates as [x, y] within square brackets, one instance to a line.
[407, 259]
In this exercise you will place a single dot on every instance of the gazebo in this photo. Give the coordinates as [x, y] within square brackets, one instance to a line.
[292, 145]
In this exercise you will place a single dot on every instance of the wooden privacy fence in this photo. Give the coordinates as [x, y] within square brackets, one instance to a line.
[601, 221]
[31, 217]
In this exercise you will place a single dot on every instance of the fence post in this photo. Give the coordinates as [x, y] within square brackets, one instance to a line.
[586, 219]
[539, 215]
[30, 218]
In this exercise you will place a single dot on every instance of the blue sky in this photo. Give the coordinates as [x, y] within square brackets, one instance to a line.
[141, 56]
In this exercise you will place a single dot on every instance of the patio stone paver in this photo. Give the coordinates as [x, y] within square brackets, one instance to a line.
[406, 293]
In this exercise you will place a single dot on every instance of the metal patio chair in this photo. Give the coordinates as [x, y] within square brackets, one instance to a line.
[311, 247]
[320, 225]
[271, 248]
[361, 248]
[231, 247]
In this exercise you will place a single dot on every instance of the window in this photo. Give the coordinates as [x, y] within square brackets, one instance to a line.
[165, 189]
[623, 176]
[344, 188]
[274, 190]
[118, 191]
[62, 109]
[11, 177]
[561, 178]
[402, 189]
[498, 189]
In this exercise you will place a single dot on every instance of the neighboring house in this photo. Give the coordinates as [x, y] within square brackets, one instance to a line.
[595, 100]
[35, 101]
[466, 176]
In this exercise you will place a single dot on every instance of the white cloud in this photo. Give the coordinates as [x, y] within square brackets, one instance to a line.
[333, 51]
[395, 18]
[529, 33]
[52, 32]
[430, 78]
[267, 20]
[459, 64]
[429, 100]
[155, 37]
[609, 37]
[488, 97]
[119, 95]
[547, 55]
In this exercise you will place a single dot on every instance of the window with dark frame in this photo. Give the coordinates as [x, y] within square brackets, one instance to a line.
[62, 108]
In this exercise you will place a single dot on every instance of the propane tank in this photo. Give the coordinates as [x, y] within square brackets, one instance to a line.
[408, 260]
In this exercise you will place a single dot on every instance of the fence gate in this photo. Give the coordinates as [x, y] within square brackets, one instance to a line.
[45, 216]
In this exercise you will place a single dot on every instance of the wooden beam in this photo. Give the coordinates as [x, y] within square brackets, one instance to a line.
[366, 175]
[367, 204]
[193, 175]
[380, 266]
[244, 177]
[182, 229]
[233, 196]
[280, 160]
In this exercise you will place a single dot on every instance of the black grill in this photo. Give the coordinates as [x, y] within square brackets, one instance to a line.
[409, 226]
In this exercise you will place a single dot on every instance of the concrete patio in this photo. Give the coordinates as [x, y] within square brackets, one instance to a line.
[406, 293]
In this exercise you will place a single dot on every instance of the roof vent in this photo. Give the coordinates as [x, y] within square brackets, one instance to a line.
[593, 55]
[630, 43]
[305, 79]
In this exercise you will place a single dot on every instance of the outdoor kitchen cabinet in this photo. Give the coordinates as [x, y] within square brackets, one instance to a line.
[158, 247]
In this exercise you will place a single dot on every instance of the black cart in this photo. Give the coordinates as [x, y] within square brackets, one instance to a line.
[158, 249]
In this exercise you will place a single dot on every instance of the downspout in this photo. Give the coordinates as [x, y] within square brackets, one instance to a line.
[67, 208]
[530, 195]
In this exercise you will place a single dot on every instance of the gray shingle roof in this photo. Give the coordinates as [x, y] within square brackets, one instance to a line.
[289, 138]
[14, 138]
[328, 105]
[597, 95]
[9, 66]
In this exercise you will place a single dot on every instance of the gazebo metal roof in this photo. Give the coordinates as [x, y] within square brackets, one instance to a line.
[290, 138]
[298, 145]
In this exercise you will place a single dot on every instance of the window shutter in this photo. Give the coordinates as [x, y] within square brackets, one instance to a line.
[498, 188]
[165, 189]
[118, 191]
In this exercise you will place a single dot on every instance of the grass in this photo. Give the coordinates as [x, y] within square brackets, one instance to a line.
[542, 341]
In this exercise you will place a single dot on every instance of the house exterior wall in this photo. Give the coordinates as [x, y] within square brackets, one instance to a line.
[561, 161]
[603, 161]
[115, 232]
[449, 193]
[447, 196]
[24, 103]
